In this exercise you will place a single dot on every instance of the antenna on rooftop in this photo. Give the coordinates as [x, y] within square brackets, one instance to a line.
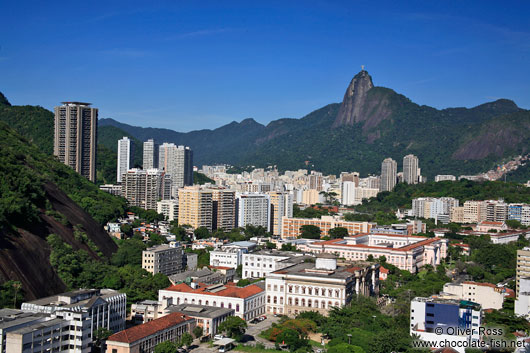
[362, 67]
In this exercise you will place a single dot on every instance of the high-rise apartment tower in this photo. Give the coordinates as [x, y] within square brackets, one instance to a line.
[75, 137]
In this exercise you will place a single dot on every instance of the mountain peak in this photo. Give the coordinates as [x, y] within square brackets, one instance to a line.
[352, 105]
[3, 100]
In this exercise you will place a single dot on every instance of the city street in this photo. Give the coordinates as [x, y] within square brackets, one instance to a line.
[251, 336]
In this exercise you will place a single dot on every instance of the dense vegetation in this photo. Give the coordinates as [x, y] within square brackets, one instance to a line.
[359, 327]
[25, 169]
[201, 179]
[463, 190]
[124, 271]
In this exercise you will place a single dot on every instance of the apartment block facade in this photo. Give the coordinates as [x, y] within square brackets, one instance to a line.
[75, 137]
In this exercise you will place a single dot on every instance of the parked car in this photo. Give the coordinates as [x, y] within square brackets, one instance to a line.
[218, 337]
[255, 321]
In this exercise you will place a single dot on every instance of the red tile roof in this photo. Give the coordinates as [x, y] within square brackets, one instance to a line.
[139, 332]
[337, 242]
[221, 267]
[383, 270]
[228, 291]
[492, 223]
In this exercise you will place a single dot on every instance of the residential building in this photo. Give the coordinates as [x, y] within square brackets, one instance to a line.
[150, 155]
[488, 295]
[474, 211]
[411, 173]
[281, 205]
[144, 338]
[75, 142]
[523, 267]
[143, 188]
[248, 302]
[169, 208]
[388, 174]
[457, 214]
[522, 303]
[223, 209]
[195, 207]
[436, 320]
[315, 180]
[125, 157]
[353, 195]
[444, 178]
[431, 207]
[253, 209]
[177, 161]
[519, 212]
[318, 286]
[148, 310]
[166, 259]
[404, 251]
[311, 197]
[111, 189]
[496, 211]
[291, 226]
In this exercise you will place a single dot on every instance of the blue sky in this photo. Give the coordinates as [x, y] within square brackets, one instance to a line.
[189, 65]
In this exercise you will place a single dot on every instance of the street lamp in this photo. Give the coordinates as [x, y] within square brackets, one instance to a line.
[349, 338]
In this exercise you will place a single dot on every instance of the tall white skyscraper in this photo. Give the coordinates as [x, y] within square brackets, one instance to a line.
[150, 157]
[125, 157]
[410, 169]
[388, 174]
[177, 161]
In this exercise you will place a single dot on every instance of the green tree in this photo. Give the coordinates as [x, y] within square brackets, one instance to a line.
[292, 339]
[239, 271]
[11, 294]
[100, 335]
[233, 327]
[186, 339]
[198, 331]
[201, 233]
[310, 231]
[166, 347]
[338, 233]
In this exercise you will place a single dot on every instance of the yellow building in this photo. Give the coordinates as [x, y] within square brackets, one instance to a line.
[457, 214]
[523, 267]
[195, 207]
[310, 197]
[291, 226]
[474, 211]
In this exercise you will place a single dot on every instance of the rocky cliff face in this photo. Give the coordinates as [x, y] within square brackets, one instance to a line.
[352, 109]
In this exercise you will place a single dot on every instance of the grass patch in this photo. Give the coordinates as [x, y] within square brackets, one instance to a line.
[251, 349]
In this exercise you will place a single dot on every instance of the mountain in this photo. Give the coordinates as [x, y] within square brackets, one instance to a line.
[371, 123]
[42, 196]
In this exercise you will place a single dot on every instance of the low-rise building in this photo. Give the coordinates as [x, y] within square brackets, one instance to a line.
[406, 252]
[248, 302]
[169, 208]
[259, 264]
[231, 255]
[207, 317]
[105, 307]
[486, 226]
[144, 338]
[318, 285]
[204, 276]
[488, 295]
[291, 226]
